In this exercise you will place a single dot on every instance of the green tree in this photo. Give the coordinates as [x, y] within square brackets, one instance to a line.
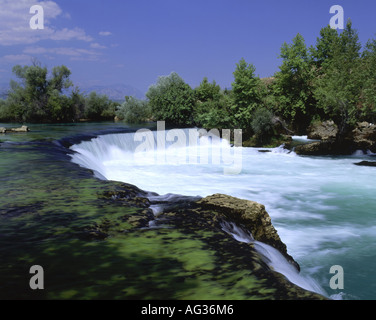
[325, 49]
[172, 100]
[338, 90]
[207, 91]
[133, 110]
[213, 106]
[37, 97]
[60, 108]
[4, 112]
[77, 102]
[60, 79]
[293, 85]
[245, 92]
[367, 76]
[262, 125]
[99, 107]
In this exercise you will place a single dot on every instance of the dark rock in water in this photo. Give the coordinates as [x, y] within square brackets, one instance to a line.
[316, 148]
[264, 151]
[366, 163]
[326, 132]
[362, 137]
[170, 202]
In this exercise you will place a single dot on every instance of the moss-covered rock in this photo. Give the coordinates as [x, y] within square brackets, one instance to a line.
[251, 215]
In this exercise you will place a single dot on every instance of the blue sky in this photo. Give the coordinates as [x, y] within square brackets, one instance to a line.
[134, 42]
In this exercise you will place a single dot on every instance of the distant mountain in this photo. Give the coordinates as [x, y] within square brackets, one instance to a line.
[115, 92]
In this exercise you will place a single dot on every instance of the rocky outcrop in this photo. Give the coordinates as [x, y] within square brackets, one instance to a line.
[326, 131]
[21, 129]
[317, 148]
[10, 130]
[248, 214]
[364, 136]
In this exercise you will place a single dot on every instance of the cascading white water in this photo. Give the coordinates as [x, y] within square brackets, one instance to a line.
[322, 207]
[129, 156]
[274, 259]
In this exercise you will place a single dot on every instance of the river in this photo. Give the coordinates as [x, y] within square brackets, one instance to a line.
[322, 207]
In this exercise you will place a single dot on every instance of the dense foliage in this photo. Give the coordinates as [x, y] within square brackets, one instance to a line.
[172, 100]
[213, 106]
[246, 93]
[133, 110]
[335, 79]
[293, 84]
[40, 97]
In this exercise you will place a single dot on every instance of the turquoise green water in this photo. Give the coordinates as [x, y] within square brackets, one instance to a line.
[57, 215]
[324, 208]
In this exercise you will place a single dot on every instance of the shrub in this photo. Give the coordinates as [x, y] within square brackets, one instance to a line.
[133, 110]
[262, 125]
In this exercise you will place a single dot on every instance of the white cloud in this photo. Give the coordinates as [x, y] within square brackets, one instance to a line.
[35, 50]
[17, 58]
[95, 45]
[73, 53]
[70, 34]
[15, 23]
[105, 33]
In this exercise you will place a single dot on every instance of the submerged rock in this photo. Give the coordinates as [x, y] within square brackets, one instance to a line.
[366, 163]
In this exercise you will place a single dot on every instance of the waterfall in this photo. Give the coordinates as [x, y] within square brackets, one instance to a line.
[322, 207]
[146, 148]
[274, 259]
